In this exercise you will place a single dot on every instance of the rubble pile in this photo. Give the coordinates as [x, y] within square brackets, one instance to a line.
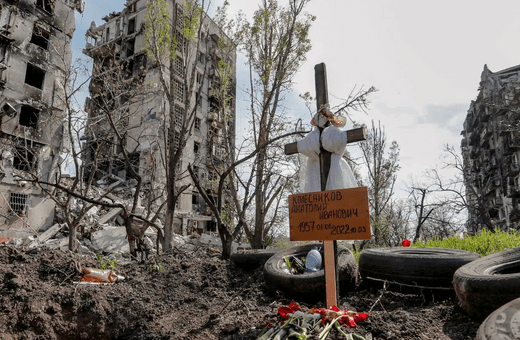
[102, 231]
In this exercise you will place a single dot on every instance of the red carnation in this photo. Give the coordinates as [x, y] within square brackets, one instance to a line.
[284, 310]
[406, 243]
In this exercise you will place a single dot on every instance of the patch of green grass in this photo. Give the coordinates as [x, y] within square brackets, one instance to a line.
[485, 243]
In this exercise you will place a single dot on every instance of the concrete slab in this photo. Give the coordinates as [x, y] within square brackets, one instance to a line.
[111, 240]
[112, 213]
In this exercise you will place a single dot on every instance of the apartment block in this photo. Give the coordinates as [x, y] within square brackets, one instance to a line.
[35, 55]
[491, 152]
[118, 47]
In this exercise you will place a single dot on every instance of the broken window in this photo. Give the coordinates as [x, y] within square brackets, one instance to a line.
[197, 123]
[107, 34]
[24, 159]
[202, 58]
[40, 37]
[46, 5]
[130, 47]
[18, 203]
[29, 116]
[196, 147]
[34, 76]
[131, 26]
[211, 226]
[132, 7]
[140, 64]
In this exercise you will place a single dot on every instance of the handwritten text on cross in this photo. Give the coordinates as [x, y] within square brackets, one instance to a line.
[330, 215]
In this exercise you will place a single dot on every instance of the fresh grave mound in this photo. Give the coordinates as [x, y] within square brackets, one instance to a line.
[185, 295]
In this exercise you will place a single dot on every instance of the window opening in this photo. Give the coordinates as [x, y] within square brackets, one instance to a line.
[18, 202]
[34, 76]
[107, 34]
[131, 26]
[197, 123]
[140, 64]
[196, 147]
[46, 5]
[194, 198]
[24, 159]
[40, 37]
[211, 226]
[130, 44]
[29, 116]
[202, 58]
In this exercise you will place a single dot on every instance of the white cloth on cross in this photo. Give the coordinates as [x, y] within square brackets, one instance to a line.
[340, 174]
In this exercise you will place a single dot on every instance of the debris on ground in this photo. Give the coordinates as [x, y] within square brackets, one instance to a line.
[188, 295]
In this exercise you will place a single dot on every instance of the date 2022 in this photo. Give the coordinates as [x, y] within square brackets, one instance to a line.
[304, 227]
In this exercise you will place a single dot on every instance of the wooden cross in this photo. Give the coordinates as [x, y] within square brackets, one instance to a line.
[354, 135]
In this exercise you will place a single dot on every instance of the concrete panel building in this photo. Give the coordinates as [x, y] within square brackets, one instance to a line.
[491, 152]
[119, 45]
[35, 55]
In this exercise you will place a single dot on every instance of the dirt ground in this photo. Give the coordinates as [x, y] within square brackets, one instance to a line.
[194, 295]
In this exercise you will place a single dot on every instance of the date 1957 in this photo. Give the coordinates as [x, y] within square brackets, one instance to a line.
[304, 227]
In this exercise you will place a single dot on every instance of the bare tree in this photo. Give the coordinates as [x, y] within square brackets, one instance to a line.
[251, 174]
[382, 166]
[459, 197]
[172, 35]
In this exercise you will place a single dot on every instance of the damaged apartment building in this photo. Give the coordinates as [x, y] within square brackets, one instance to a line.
[491, 152]
[118, 48]
[35, 54]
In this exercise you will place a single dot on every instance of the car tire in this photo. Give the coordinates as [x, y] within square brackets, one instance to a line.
[421, 267]
[252, 258]
[309, 287]
[503, 323]
[488, 283]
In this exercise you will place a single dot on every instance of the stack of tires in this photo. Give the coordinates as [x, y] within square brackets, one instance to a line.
[487, 287]
[490, 288]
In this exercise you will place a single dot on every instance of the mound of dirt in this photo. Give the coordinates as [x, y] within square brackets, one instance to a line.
[192, 295]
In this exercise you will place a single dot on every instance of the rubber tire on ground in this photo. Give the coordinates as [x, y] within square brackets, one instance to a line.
[504, 323]
[425, 267]
[309, 287]
[489, 282]
[252, 258]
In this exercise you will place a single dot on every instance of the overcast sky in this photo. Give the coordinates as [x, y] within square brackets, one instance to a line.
[424, 57]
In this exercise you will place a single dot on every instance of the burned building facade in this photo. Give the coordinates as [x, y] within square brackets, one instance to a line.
[140, 110]
[491, 152]
[35, 55]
